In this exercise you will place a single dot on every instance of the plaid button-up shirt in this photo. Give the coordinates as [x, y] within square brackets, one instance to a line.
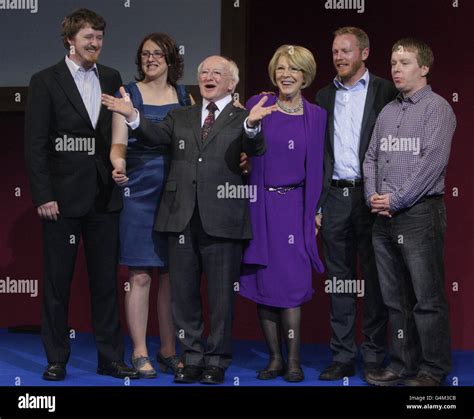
[409, 149]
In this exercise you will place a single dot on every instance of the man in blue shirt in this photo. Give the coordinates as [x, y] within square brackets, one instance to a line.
[352, 101]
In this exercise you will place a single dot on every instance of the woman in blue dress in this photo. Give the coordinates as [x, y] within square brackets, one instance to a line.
[142, 174]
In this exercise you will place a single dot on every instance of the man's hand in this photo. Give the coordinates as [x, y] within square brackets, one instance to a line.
[258, 112]
[122, 105]
[119, 174]
[245, 164]
[49, 211]
[380, 204]
[318, 220]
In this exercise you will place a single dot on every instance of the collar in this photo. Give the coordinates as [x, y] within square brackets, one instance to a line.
[221, 103]
[74, 68]
[364, 81]
[417, 96]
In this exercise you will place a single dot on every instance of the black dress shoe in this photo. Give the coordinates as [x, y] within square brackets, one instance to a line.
[55, 372]
[372, 367]
[337, 371]
[384, 378]
[188, 374]
[422, 380]
[118, 369]
[213, 375]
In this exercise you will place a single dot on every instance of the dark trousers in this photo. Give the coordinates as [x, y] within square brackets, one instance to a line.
[409, 249]
[347, 233]
[61, 238]
[190, 253]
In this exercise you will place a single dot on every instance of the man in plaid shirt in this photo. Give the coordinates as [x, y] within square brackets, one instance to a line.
[404, 171]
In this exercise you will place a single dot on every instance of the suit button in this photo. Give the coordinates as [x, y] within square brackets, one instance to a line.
[200, 159]
[194, 182]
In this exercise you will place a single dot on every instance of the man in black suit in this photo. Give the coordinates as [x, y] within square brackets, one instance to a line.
[204, 210]
[352, 101]
[67, 144]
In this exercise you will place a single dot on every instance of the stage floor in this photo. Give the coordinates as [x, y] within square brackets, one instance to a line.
[22, 361]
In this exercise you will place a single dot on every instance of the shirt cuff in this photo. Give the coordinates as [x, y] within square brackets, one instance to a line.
[136, 122]
[251, 132]
[394, 202]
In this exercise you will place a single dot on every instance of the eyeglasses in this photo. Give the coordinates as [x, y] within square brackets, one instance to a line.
[216, 74]
[292, 70]
[147, 54]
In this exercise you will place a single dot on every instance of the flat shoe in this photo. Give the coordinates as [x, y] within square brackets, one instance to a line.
[168, 363]
[139, 363]
[294, 376]
[267, 374]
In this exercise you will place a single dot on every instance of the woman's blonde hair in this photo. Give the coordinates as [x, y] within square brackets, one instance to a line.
[297, 56]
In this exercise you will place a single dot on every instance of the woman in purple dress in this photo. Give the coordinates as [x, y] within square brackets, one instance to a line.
[278, 262]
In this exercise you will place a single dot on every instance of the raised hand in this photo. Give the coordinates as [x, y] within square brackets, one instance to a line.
[121, 105]
[258, 112]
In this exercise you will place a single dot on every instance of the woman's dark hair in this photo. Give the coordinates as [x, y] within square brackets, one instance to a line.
[173, 58]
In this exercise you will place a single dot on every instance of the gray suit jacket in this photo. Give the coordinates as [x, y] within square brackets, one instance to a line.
[379, 93]
[199, 173]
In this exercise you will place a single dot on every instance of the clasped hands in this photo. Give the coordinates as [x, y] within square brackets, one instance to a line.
[380, 205]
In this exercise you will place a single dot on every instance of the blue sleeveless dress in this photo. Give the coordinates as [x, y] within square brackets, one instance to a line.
[147, 170]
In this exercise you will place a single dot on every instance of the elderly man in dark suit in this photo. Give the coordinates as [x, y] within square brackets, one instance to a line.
[353, 101]
[67, 145]
[204, 209]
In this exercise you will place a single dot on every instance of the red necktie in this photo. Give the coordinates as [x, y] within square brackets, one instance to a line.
[209, 121]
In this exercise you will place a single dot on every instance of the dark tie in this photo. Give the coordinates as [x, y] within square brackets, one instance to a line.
[209, 121]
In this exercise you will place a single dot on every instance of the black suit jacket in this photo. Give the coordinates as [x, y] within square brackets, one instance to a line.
[379, 93]
[199, 170]
[72, 178]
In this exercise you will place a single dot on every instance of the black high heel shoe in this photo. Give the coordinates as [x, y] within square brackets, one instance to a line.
[294, 374]
[169, 363]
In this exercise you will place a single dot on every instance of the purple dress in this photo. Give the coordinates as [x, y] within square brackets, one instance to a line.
[279, 259]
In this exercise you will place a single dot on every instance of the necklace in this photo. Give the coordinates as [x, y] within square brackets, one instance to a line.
[290, 110]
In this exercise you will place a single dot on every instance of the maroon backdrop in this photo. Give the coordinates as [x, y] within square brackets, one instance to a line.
[446, 28]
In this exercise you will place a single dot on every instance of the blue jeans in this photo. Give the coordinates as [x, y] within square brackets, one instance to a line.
[409, 252]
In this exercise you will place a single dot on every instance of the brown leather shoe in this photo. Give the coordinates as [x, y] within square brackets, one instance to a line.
[337, 371]
[422, 380]
[383, 378]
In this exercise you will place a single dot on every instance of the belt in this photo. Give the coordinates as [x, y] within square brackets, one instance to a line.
[344, 183]
[429, 197]
[282, 190]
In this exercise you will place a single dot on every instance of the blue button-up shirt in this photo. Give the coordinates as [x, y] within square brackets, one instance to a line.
[348, 113]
